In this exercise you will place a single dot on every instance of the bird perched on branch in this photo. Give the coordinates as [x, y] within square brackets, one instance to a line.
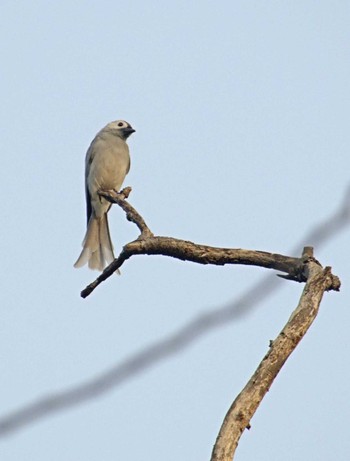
[106, 165]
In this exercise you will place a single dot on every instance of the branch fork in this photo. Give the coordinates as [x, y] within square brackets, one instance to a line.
[147, 243]
[304, 269]
[248, 400]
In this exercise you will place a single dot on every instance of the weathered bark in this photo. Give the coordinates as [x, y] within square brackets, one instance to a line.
[246, 403]
[148, 244]
[304, 269]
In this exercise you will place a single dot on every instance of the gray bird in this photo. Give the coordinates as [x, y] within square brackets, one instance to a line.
[107, 163]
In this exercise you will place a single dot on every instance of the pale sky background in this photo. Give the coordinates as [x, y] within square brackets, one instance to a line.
[242, 117]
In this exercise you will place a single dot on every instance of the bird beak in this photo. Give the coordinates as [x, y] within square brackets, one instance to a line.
[128, 131]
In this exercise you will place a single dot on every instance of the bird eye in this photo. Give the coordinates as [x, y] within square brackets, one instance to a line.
[120, 124]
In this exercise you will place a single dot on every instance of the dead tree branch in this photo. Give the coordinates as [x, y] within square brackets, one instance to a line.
[245, 405]
[176, 342]
[148, 244]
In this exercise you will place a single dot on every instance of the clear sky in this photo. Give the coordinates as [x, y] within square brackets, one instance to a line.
[241, 111]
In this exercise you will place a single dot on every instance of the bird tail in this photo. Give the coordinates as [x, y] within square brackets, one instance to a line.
[97, 245]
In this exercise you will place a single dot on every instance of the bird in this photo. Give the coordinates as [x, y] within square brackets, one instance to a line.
[107, 163]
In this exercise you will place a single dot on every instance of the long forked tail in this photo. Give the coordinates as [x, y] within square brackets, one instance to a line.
[97, 245]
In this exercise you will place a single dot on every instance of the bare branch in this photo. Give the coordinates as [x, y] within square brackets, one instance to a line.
[131, 214]
[245, 405]
[202, 254]
[148, 244]
[174, 343]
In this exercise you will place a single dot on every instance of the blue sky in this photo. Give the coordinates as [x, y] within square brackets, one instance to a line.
[241, 111]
